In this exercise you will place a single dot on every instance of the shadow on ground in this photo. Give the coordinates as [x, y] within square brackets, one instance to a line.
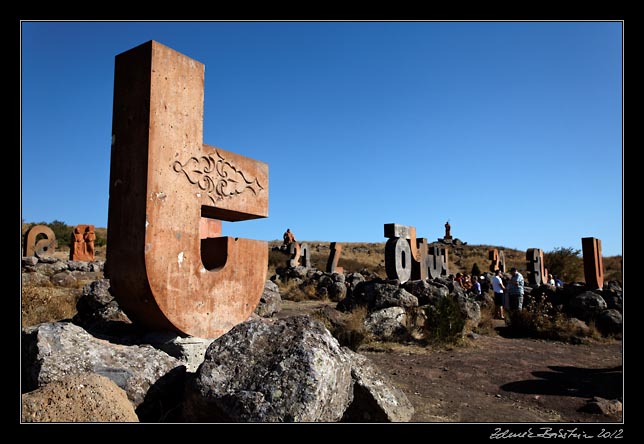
[572, 381]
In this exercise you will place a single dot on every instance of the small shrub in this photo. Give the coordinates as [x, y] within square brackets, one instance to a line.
[445, 322]
[565, 263]
[539, 319]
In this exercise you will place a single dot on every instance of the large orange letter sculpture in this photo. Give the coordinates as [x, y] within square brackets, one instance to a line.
[168, 264]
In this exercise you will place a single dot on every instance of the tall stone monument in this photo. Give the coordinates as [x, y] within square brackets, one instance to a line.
[169, 266]
[335, 251]
[534, 266]
[593, 262]
[39, 240]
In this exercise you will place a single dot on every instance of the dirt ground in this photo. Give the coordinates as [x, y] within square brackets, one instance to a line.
[497, 379]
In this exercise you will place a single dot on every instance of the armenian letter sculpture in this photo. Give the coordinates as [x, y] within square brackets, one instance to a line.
[169, 266]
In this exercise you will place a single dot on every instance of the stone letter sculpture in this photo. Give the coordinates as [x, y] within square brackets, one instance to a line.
[168, 269]
[593, 262]
[534, 266]
[498, 260]
[334, 257]
[81, 247]
[409, 258]
[305, 255]
[41, 247]
[294, 252]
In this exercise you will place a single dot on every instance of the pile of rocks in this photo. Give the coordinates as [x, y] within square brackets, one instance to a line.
[49, 269]
[396, 312]
[263, 370]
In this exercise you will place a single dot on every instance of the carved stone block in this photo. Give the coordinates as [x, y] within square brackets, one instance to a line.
[43, 246]
[169, 266]
[593, 262]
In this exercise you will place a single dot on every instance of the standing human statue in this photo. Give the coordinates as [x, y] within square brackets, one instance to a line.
[78, 244]
[89, 237]
[289, 237]
[515, 289]
[447, 230]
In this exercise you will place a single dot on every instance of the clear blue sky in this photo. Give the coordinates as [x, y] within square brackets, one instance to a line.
[511, 130]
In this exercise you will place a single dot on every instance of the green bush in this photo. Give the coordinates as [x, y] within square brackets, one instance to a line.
[566, 263]
[445, 322]
[475, 270]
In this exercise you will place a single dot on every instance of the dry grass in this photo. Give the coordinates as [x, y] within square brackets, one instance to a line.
[48, 304]
[347, 328]
[486, 324]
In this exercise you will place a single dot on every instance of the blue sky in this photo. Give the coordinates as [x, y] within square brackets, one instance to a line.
[511, 130]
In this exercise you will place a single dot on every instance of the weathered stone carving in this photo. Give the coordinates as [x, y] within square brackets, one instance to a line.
[409, 258]
[498, 260]
[593, 262]
[534, 266]
[33, 246]
[169, 266]
[81, 246]
[305, 255]
[294, 252]
[334, 257]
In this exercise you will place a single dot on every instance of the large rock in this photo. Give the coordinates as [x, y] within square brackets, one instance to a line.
[428, 293]
[290, 370]
[388, 324]
[470, 309]
[270, 302]
[377, 294]
[98, 312]
[150, 377]
[609, 322]
[586, 306]
[29, 261]
[86, 397]
[397, 298]
[63, 279]
[375, 398]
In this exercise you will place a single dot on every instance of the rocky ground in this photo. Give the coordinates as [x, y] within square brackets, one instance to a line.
[495, 379]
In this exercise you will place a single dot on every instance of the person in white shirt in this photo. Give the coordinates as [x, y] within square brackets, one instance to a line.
[498, 287]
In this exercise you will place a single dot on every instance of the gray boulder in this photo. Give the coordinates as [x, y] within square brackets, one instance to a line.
[397, 298]
[586, 306]
[609, 322]
[98, 312]
[270, 302]
[50, 268]
[470, 309]
[289, 370]
[428, 293]
[150, 377]
[375, 398]
[353, 279]
[388, 324]
[63, 279]
[337, 291]
[29, 261]
[377, 294]
[79, 266]
[35, 279]
[48, 259]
